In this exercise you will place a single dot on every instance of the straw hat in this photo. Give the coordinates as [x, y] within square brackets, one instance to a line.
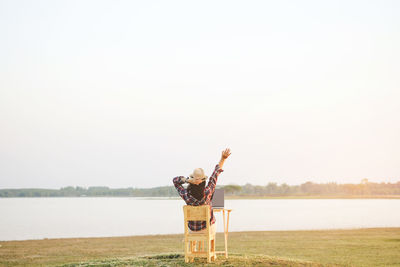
[198, 174]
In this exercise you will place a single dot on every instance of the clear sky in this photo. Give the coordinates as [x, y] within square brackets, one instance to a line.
[133, 93]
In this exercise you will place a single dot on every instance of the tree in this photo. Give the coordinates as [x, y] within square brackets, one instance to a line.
[232, 189]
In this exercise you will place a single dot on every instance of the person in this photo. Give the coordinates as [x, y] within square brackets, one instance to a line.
[197, 193]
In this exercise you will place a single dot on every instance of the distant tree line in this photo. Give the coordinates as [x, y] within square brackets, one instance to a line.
[271, 189]
[315, 189]
[93, 191]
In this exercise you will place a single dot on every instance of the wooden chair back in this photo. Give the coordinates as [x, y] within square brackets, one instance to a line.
[197, 213]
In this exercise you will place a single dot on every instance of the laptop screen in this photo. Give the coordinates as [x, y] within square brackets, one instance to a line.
[218, 198]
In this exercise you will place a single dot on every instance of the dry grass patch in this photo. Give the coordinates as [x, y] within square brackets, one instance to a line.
[172, 260]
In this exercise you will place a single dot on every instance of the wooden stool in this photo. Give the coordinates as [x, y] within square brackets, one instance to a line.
[205, 240]
[226, 228]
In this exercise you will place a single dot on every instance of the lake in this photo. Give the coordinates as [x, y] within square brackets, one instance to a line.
[37, 218]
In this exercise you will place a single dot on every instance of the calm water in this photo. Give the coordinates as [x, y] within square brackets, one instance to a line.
[37, 218]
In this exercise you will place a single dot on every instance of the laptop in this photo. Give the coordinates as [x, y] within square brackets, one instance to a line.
[218, 199]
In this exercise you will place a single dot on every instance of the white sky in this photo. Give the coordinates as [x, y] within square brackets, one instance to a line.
[133, 93]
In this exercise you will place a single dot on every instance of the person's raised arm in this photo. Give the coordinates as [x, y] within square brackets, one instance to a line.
[210, 188]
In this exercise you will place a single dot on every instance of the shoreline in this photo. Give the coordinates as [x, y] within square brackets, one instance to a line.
[179, 234]
[232, 197]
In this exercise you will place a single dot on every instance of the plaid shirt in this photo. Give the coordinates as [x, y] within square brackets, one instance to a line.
[206, 200]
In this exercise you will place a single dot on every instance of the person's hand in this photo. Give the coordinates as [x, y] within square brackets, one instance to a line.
[191, 180]
[225, 154]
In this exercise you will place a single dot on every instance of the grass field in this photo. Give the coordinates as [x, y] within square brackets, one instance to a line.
[362, 247]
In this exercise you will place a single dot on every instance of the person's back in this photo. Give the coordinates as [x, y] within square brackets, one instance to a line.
[197, 193]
